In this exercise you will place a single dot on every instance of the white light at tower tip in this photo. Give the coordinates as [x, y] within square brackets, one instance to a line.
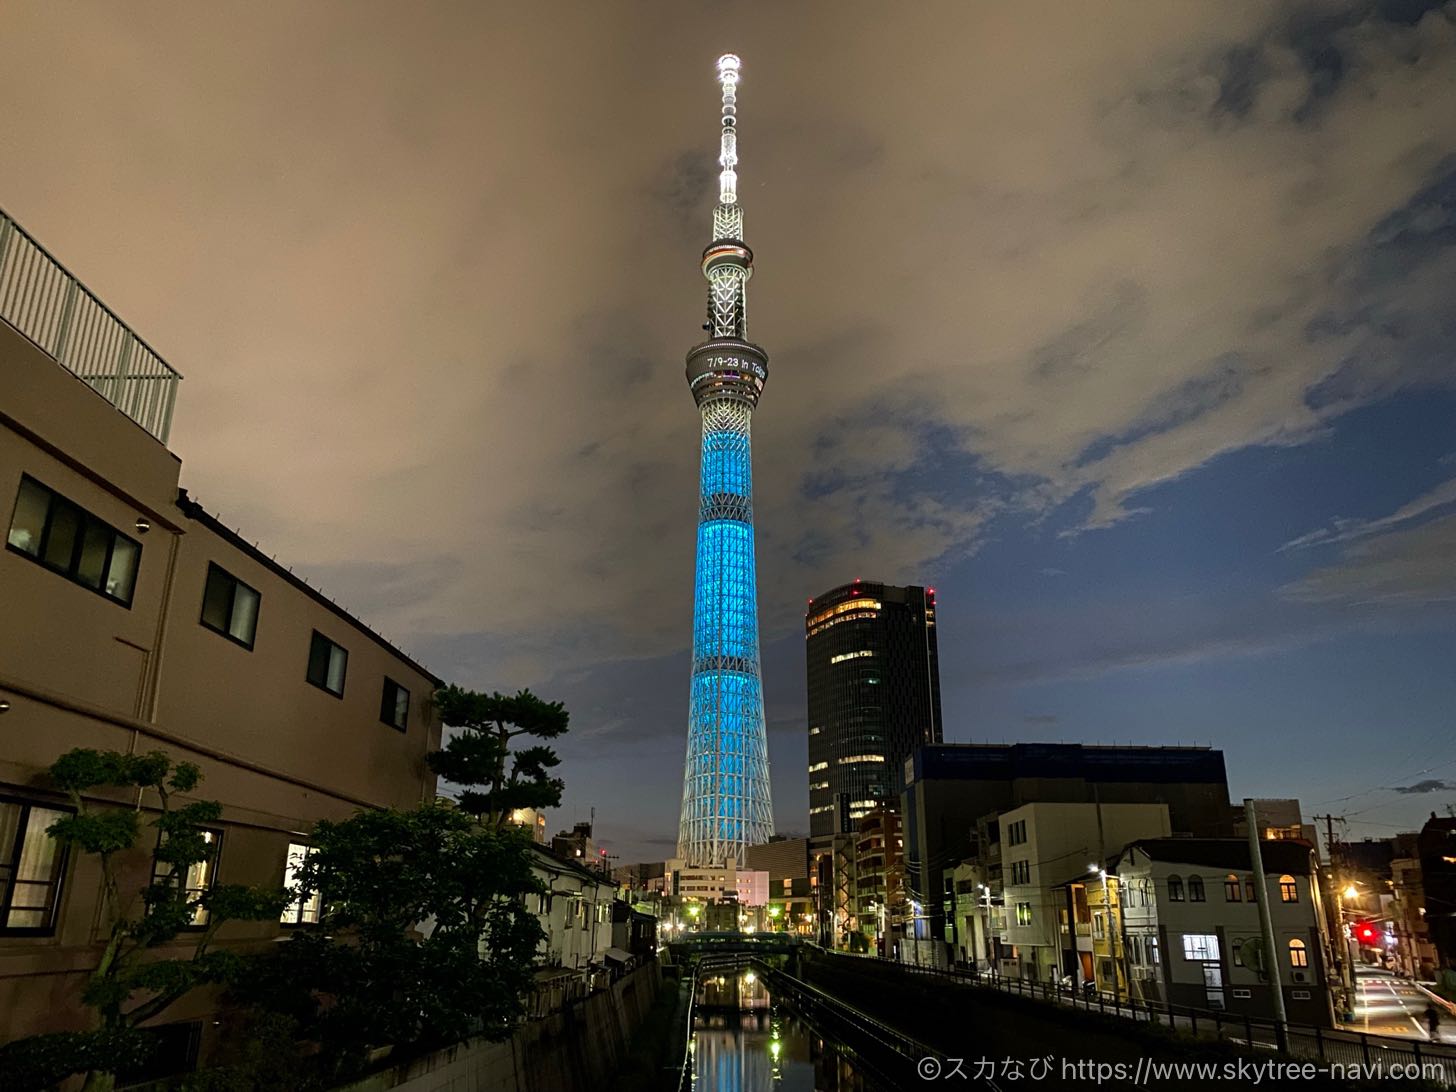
[728, 66]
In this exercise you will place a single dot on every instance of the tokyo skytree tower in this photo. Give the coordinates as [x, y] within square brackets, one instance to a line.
[726, 805]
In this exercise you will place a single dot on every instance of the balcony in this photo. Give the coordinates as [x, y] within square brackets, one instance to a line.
[42, 300]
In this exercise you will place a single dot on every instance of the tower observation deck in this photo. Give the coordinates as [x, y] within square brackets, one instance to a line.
[726, 805]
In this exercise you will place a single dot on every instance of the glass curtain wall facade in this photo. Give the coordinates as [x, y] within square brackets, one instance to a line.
[873, 673]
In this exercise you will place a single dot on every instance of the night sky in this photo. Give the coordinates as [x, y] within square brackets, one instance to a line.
[1131, 328]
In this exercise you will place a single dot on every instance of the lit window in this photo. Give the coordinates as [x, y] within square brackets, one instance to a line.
[818, 766]
[327, 663]
[230, 607]
[304, 909]
[852, 759]
[850, 656]
[845, 608]
[68, 540]
[815, 731]
[1298, 954]
[1232, 888]
[31, 866]
[1200, 946]
[1288, 889]
[1023, 913]
[814, 785]
[199, 878]
[394, 705]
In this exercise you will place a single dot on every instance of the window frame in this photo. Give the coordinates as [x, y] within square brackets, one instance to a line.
[1299, 948]
[294, 910]
[1196, 890]
[213, 566]
[10, 862]
[384, 704]
[1207, 944]
[324, 684]
[212, 861]
[85, 521]
[1233, 888]
[1175, 889]
[1288, 889]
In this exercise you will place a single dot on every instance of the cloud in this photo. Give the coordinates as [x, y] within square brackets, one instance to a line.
[1429, 785]
[442, 305]
[1344, 530]
[1403, 568]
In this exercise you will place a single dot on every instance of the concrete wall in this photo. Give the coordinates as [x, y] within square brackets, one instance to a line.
[575, 1050]
[79, 669]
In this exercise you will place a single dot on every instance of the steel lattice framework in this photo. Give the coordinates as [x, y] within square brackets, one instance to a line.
[726, 805]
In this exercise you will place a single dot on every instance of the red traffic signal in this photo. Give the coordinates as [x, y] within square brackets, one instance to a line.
[1367, 934]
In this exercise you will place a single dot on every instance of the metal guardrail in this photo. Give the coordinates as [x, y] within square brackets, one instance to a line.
[1305, 1041]
[42, 299]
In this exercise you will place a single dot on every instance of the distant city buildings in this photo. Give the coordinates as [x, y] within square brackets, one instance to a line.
[951, 789]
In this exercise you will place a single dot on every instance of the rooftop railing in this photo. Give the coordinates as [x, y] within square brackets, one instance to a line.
[41, 299]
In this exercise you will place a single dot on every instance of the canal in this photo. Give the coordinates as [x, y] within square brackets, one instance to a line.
[746, 1040]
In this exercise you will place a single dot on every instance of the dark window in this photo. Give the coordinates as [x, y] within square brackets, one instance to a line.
[1232, 889]
[230, 607]
[199, 879]
[394, 705]
[171, 1049]
[71, 541]
[1238, 951]
[1250, 893]
[1175, 889]
[31, 866]
[1195, 888]
[327, 663]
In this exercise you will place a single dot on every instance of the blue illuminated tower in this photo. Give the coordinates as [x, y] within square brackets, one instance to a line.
[726, 805]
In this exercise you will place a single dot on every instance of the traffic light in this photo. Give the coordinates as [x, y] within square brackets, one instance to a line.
[1367, 934]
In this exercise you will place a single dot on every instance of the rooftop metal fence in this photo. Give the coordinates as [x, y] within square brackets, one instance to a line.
[40, 298]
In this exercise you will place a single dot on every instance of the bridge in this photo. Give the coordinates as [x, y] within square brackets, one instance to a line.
[698, 944]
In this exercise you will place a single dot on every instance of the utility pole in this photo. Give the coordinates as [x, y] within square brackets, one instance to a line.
[1266, 920]
[1339, 943]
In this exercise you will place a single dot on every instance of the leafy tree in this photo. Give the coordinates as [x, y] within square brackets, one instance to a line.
[129, 986]
[424, 937]
[498, 780]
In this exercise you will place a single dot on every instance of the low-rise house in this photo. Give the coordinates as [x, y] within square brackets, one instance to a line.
[1192, 934]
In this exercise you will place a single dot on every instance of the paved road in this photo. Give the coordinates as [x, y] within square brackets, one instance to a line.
[1386, 1005]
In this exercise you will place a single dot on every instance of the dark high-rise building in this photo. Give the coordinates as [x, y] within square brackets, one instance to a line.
[874, 696]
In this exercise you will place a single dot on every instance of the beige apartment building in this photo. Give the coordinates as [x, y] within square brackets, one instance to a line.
[131, 619]
[1050, 854]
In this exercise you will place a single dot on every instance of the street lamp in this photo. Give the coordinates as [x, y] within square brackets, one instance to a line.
[1107, 929]
[985, 901]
